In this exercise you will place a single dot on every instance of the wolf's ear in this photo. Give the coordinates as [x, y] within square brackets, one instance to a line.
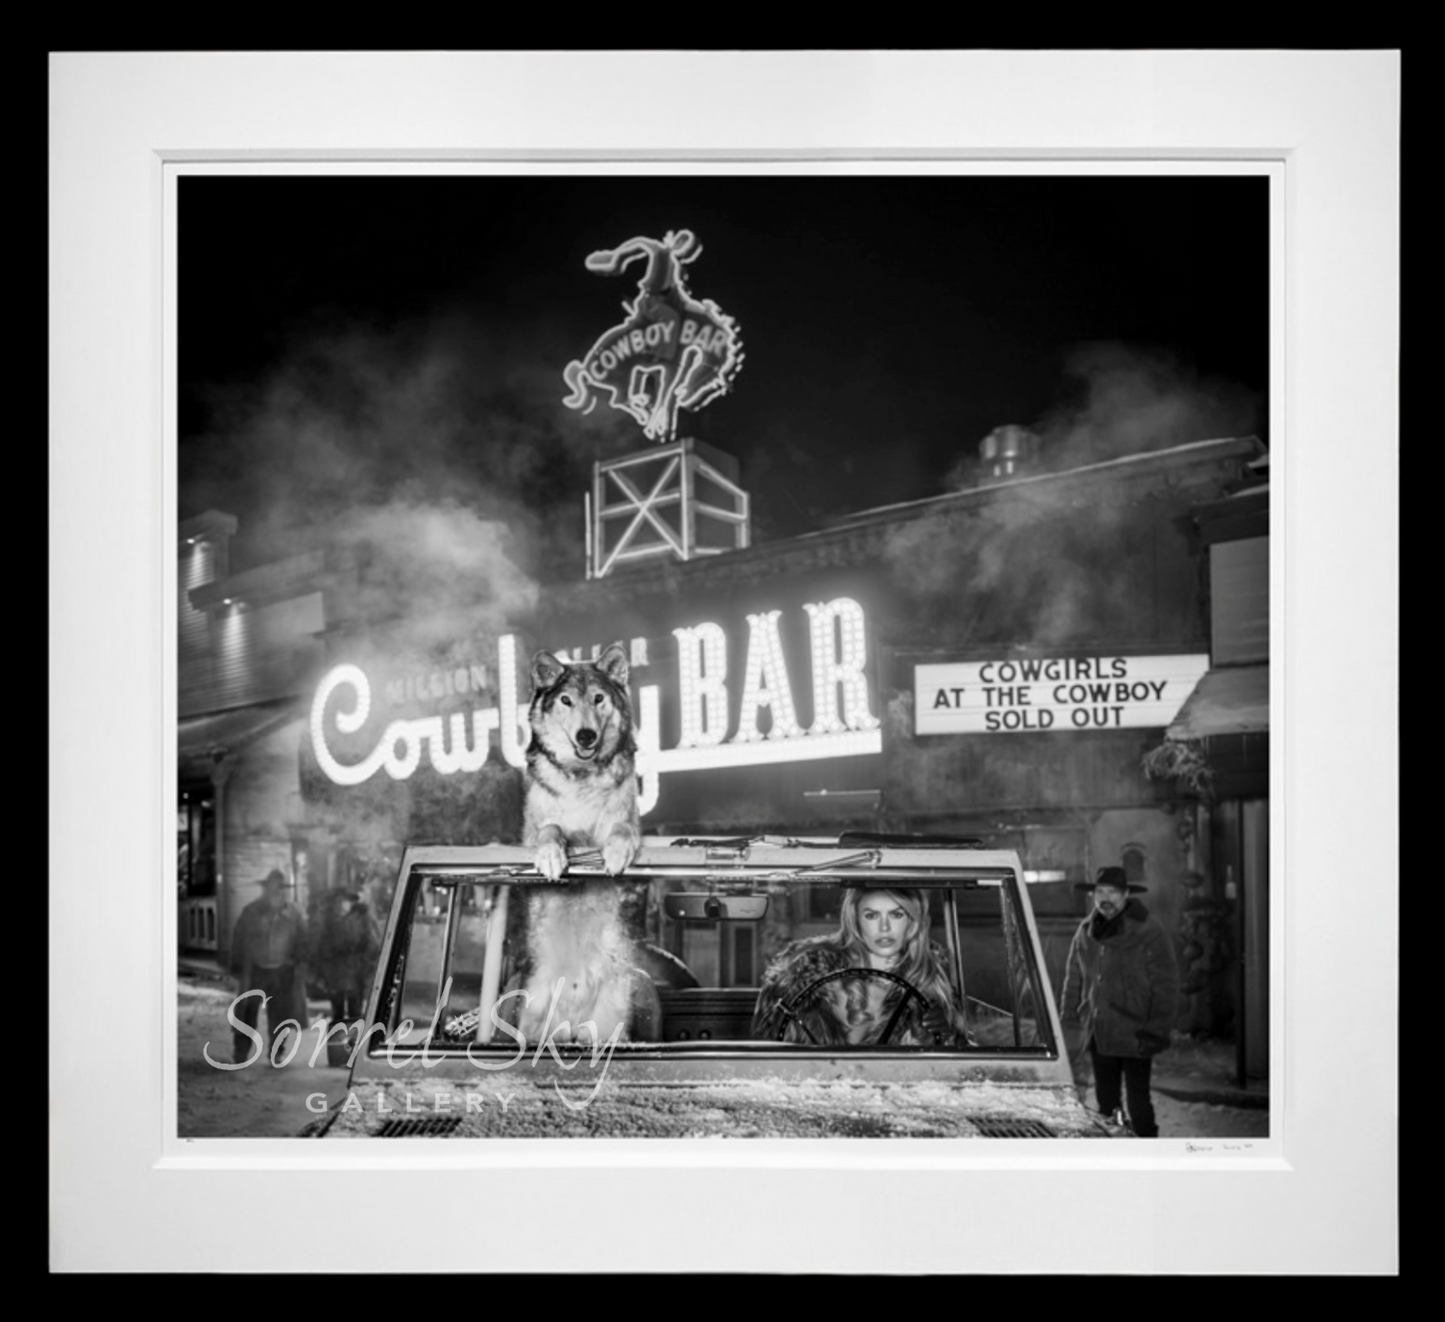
[546, 670]
[613, 663]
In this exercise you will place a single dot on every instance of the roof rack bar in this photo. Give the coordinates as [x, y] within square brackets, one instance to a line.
[846, 870]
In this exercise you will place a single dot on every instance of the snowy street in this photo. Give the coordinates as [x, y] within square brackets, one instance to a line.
[264, 1102]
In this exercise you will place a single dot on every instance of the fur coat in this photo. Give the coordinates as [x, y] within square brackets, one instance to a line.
[849, 1011]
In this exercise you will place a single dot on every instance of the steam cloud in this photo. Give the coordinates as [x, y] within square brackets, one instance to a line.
[1041, 568]
[438, 457]
[362, 429]
[1123, 401]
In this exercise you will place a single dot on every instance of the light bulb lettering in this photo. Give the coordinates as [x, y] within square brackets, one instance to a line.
[702, 667]
[840, 688]
[648, 769]
[515, 732]
[766, 729]
[765, 683]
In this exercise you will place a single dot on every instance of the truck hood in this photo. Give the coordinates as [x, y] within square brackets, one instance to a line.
[768, 1107]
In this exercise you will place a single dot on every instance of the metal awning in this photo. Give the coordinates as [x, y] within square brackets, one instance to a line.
[1228, 700]
[203, 739]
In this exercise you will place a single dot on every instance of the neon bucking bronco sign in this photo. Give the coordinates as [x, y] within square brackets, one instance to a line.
[672, 352]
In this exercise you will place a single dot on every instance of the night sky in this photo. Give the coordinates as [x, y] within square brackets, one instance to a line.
[352, 343]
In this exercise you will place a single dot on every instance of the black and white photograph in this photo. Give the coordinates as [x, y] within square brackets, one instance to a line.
[699, 661]
[697, 655]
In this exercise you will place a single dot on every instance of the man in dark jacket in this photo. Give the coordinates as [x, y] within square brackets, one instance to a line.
[268, 955]
[1121, 987]
[344, 953]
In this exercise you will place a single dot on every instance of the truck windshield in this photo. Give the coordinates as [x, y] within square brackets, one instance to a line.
[684, 966]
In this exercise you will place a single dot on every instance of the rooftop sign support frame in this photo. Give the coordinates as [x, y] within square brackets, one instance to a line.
[625, 522]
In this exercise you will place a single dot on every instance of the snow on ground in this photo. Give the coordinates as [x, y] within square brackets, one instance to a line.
[261, 1102]
[254, 1102]
[1181, 1119]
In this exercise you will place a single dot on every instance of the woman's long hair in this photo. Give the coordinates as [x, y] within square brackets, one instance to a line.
[916, 963]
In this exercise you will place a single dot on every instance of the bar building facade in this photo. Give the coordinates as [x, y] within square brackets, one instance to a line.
[1050, 661]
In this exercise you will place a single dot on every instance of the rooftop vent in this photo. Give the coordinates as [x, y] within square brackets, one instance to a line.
[1007, 451]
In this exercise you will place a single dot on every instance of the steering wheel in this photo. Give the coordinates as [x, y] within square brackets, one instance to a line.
[909, 989]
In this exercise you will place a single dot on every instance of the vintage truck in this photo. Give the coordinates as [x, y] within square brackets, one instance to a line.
[445, 1050]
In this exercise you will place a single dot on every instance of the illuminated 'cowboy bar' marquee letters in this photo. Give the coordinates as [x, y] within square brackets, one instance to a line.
[766, 728]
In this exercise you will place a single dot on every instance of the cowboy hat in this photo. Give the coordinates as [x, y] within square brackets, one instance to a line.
[1115, 877]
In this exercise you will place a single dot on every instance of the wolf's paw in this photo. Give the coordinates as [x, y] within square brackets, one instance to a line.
[618, 852]
[551, 860]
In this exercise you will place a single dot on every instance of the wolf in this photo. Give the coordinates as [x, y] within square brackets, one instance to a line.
[581, 791]
[581, 780]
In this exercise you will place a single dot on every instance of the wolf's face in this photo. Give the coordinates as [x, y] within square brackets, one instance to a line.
[581, 715]
[581, 786]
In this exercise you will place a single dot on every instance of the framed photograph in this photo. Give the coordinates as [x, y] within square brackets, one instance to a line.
[909, 527]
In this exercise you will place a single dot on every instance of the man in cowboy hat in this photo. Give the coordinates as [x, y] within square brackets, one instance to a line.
[1121, 987]
[267, 955]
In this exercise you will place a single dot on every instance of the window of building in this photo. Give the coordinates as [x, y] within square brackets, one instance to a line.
[196, 842]
[1239, 601]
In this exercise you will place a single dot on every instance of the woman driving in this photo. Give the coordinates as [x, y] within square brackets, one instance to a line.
[877, 981]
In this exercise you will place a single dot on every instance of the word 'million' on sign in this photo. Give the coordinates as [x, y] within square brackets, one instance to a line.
[1054, 694]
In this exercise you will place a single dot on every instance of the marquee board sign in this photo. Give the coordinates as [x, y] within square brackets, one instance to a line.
[1053, 694]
